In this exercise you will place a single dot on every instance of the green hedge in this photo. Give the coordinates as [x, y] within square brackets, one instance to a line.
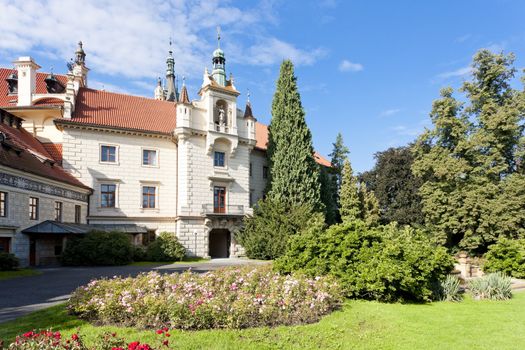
[8, 262]
[507, 256]
[165, 248]
[99, 248]
[385, 263]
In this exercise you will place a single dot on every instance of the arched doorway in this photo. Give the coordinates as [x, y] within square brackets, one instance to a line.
[219, 243]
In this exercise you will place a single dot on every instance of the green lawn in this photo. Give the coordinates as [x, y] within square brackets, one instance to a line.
[5, 275]
[359, 325]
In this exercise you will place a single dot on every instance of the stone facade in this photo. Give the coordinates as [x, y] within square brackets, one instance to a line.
[17, 216]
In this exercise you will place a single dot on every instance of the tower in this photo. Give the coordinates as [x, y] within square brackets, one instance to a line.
[219, 63]
[159, 91]
[171, 88]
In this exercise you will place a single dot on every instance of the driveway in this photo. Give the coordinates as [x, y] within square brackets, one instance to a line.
[20, 296]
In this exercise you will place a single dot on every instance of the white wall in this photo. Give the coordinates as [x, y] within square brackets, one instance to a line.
[81, 152]
[257, 181]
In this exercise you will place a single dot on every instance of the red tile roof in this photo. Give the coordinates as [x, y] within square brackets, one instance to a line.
[7, 100]
[102, 108]
[261, 135]
[23, 152]
[54, 150]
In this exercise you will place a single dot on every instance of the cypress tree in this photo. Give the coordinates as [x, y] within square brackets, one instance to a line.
[294, 173]
[350, 208]
[329, 195]
[369, 206]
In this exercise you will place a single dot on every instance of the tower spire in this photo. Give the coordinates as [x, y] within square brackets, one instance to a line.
[171, 93]
[219, 62]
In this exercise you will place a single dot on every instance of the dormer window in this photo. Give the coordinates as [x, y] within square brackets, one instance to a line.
[12, 82]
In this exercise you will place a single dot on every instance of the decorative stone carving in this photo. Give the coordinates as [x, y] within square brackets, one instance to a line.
[36, 186]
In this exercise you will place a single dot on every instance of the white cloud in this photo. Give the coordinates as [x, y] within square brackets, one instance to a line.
[130, 38]
[390, 112]
[347, 66]
[456, 73]
[403, 130]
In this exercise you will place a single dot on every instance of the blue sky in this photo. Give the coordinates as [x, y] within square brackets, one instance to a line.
[367, 69]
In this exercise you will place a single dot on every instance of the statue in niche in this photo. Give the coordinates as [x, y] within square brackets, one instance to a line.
[221, 117]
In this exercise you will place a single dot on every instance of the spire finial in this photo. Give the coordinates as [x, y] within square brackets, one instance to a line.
[170, 42]
[183, 80]
[218, 36]
[248, 96]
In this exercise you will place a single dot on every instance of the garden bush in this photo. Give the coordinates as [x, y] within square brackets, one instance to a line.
[49, 340]
[448, 289]
[166, 248]
[508, 256]
[265, 234]
[99, 248]
[226, 298]
[139, 253]
[8, 262]
[385, 263]
[494, 286]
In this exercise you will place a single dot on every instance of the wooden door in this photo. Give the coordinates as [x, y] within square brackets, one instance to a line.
[4, 244]
[32, 252]
[219, 199]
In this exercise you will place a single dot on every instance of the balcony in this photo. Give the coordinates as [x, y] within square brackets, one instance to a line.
[232, 210]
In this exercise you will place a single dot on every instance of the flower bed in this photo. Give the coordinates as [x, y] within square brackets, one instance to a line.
[227, 298]
[49, 340]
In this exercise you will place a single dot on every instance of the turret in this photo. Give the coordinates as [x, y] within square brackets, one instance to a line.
[159, 90]
[219, 63]
[171, 88]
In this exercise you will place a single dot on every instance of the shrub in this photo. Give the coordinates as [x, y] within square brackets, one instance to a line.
[226, 298]
[99, 248]
[139, 253]
[508, 256]
[166, 248]
[385, 263]
[265, 234]
[448, 289]
[494, 286]
[8, 262]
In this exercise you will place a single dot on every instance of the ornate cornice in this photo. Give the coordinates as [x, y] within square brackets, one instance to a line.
[40, 187]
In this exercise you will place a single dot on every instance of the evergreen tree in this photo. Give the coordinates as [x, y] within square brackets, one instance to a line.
[339, 154]
[369, 206]
[395, 186]
[350, 205]
[294, 173]
[328, 195]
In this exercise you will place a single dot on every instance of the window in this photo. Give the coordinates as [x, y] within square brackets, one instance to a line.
[148, 197]
[219, 199]
[33, 208]
[4, 244]
[250, 169]
[78, 214]
[3, 204]
[218, 159]
[265, 172]
[251, 198]
[107, 196]
[58, 211]
[149, 157]
[108, 154]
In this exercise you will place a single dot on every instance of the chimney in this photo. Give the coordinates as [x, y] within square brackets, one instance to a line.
[26, 68]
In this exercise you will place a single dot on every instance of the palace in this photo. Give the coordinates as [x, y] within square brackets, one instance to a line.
[74, 159]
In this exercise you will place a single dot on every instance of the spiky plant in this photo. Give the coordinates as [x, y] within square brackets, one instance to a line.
[494, 286]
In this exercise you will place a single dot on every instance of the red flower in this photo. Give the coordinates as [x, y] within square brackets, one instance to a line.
[159, 331]
[167, 334]
[29, 334]
[165, 342]
[117, 349]
[74, 337]
[133, 346]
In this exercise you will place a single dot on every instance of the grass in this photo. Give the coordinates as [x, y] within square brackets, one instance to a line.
[185, 261]
[359, 325]
[5, 275]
